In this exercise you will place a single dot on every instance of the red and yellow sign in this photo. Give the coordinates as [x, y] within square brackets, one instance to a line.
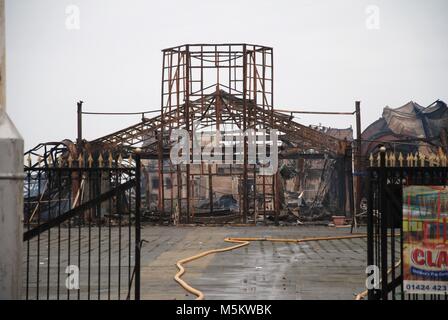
[425, 244]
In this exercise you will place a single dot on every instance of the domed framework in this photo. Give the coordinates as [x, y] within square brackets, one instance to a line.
[205, 83]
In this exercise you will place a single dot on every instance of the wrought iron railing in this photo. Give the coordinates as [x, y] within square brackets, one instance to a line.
[392, 181]
[82, 229]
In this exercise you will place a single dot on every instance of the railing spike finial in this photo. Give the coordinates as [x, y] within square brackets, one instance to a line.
[431, 159]
[110, 159]
[416, 160]
[400, 159]
[120, 160]
[437, 160]
[28, 160]
[100, 160]
[70, 160]
[60, 161]
[371, 159]
[382, 154]
[90, 160]
[410, 160]
[378, 159]
[386, 158]
[80, 160]
[422, 160]
[39, 161]
[393, 159]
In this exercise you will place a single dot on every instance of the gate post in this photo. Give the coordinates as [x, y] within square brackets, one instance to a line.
[137, 222]
[11, 190]
[383, 218]
[370, 235]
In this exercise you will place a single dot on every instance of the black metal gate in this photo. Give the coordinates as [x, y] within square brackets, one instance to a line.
[82, 228]
[388, 174]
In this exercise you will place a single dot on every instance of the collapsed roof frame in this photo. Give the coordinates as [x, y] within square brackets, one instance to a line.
[225, 85]
[218, 84]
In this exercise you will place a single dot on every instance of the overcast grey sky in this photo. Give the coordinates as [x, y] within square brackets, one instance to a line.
[327, 55]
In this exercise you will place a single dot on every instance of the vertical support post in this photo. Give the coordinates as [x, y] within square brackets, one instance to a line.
[160, 189]
[358, 164]
[79, 139]
[275, 192]
[11, 190]
[342, 184]
[383, 221]
[137, 223]
[187, 123]
[345, 182]
[210, 187]
[2, 61]
[76, 178]
[349, 179]
[255, 195]
[245, 155]
[277, 204]
[370, 230]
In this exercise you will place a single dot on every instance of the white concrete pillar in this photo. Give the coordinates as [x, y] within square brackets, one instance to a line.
[11, 189]
[2, 61]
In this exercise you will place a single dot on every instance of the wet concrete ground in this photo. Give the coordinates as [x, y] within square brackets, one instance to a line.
[263, 270]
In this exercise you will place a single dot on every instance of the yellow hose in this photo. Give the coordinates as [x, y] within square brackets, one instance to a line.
[241, 243]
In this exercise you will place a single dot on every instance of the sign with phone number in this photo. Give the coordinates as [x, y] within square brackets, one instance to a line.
[425, 239]
[425, 287]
